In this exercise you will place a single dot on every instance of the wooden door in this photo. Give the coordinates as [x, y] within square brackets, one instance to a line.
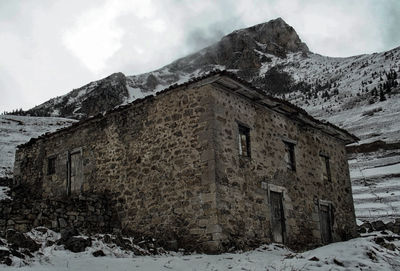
[277, 217]
[76, 176]
[325, 221]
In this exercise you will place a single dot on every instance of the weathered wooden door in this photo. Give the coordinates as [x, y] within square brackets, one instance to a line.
[325, 221]
[277, 217]
[75, 172]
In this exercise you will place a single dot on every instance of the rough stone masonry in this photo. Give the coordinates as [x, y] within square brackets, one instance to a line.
[207, 165]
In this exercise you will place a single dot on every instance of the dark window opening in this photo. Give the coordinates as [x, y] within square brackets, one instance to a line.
[244, 141]
[289, 156]
[326, 169]
[51, 165]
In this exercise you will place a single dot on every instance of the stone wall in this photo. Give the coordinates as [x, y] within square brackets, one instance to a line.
[88, 213]
[243, 184]
[151, 157]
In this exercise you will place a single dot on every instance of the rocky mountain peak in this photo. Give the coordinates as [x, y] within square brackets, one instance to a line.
[245, 49]
[276, 35]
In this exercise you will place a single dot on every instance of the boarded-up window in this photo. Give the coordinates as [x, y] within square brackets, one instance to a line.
[326, 169]
[244, 141]
[289, 156]
[51, 165]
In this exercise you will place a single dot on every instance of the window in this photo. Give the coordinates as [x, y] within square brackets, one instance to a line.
[244, 141]
[289, 155]
[51, 165]
[326, 169]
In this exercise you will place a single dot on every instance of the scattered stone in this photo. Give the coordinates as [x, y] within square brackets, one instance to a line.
[77, 244]
[372, 255]
[122, 242]
[379, 240]
[98, 253]
[17, 254]
[107, 239]
[378, 225]
[67, 234]
[362, 230]
[390, 246]
[41, 229]
[338, 262]
[21, 240]
[49, 243]
[314, 259]
[6, 261]
[4, 253]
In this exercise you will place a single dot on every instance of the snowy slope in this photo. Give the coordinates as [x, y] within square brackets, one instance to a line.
[15, 130]
[376, 184]
[364, 253]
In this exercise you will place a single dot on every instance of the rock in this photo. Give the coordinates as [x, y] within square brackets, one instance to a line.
[41, 229]
[21, 240]
[77, 244]
[6, 261]
[17, 254]
[379, 240]
[49, 243]
[98, 253]
[107, 239]
[63, 224]
[361, 229]
[390, 246]
[378, 225]
[67, 234]
[123, 242]
[338, 262]
[4, 253]
[314, 259]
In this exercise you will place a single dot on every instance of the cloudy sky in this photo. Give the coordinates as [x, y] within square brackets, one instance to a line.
[49, 47]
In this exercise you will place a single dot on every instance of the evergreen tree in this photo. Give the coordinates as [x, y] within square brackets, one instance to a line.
[382, 96]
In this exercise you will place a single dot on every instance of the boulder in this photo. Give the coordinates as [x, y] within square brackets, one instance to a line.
[77, 244]
[378, 225]
[21, 240]
[98, 253]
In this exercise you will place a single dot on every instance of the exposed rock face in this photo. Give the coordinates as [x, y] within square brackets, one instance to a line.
[89, 100]
[240, 49]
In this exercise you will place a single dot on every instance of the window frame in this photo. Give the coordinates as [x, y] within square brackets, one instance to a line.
[244, 130]
[51, 165]
[326, 164]
[290, 151]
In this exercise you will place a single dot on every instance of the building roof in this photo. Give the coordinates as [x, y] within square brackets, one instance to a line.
[232, 83]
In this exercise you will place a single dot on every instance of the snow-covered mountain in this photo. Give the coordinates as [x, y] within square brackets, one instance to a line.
[358, 93]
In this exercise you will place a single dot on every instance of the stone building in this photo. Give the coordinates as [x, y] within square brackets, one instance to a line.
[206, 165]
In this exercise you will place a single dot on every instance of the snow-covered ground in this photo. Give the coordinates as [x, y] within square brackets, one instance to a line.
[15, 130]
[376, 184]
[364, 253]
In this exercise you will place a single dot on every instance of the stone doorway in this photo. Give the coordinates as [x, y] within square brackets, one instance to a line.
[277, 217]
[325, 223]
